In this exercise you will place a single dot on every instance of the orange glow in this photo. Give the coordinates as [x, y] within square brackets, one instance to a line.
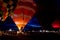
[19, 21]
[22, 16]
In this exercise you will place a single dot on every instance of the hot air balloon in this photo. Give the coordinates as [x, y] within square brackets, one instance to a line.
[56, 24]
[3, 10]
[23, 12]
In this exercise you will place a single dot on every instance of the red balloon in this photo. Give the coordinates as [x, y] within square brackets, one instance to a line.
[23, 12]
[56, 24]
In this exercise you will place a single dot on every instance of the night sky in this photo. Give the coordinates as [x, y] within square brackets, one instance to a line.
[48, 11]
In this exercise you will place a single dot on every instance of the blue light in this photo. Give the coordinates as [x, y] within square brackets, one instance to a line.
[33, 24]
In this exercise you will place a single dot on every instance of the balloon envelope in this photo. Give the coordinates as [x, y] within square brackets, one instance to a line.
[56, 24]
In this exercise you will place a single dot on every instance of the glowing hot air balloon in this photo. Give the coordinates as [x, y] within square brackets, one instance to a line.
[56, 24]
[23, 12]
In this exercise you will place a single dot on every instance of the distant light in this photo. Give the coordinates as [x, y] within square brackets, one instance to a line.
[47, 31]
[10, 29]
[33, 31]
[44, 30]
[41, 31]
[18, 32]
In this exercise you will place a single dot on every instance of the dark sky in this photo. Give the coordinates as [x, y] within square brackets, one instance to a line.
[48, 11]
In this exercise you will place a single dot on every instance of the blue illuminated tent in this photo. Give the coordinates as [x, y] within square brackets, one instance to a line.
[33, 24]
[8, 24]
